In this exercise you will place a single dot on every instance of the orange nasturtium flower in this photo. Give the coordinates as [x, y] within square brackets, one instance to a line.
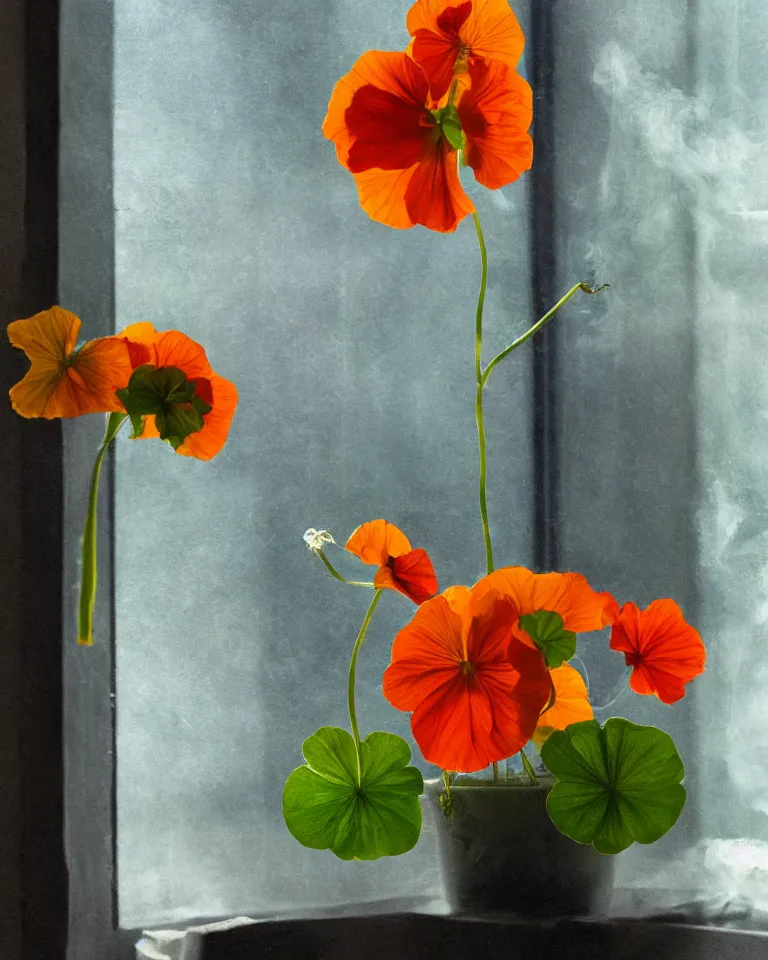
[401, 144]
[176, 350]
[474, 689]
[63, 381]
[664, 650]
[400, 568]
[570, 703]
[449, 35]
[568, 594]
[141, 374]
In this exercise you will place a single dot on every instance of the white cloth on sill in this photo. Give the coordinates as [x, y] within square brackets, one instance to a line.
[181, 944]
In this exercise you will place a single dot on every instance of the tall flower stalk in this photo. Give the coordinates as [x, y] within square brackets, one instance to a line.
[482, 671]
[482, 374]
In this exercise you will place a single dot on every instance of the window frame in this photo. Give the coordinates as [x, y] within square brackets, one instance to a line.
[86, 284]
[33, 875]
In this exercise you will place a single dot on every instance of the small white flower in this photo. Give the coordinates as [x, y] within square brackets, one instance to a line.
[315, 539]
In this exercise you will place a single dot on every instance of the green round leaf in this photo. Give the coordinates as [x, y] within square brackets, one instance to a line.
[324, 808]
[545, 628]
[614, 786]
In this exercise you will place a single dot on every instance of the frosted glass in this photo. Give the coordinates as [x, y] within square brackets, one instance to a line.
[662, 193]
[351, 345]
[352, 348]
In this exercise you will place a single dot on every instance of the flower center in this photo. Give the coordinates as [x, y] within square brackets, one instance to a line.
[467, 670]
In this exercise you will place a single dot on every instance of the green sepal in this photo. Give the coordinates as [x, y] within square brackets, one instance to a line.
[615, 785]
[453, 134]
[325, 808]
[166, 394]
[545, 628]
[448, 119]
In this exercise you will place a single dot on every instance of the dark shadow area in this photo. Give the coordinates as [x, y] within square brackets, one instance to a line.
[541, 67]
[421, 938]
[33, 878]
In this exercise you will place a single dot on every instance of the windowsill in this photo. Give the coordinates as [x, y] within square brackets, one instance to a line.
[420, 932]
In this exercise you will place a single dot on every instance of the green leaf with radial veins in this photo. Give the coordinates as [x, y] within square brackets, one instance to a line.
[545, 628]
[614, 786]
[326, 809]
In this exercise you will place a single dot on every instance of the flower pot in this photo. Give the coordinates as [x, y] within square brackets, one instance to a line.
[500, 852]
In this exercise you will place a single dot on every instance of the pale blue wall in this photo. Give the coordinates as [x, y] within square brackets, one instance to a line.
[352, 347]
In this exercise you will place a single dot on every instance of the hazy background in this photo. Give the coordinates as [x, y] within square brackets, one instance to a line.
[662, 161]
[351, 345]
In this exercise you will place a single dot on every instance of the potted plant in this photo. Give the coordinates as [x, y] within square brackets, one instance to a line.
[483, 670]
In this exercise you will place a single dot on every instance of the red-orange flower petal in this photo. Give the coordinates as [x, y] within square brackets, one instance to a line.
[400, 568]
[664, 651]
[496, 112]
[571, 703]
[425, 655]
[475, 691]
[172, 348]
[446, 30]
[62, 381]
[412, 574]
[380, 121]
[569, 594]
[206, 443]
[377, 541]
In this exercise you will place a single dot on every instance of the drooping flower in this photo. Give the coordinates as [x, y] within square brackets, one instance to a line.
[664, 651]
[581, 608]
[212, 402]
[65, 381]
[451, 35]
[474, 689]
[400, 568]
[401, 144]
[570, 703]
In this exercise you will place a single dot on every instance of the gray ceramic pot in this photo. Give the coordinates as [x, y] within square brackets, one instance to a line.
[500, 852]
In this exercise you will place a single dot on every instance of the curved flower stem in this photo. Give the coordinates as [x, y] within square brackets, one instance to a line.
[537, 326]
[584, 670]
[351, 685]
[335, 573]
[88, 573]
[528, 768]
[479, 396]
[622, 690]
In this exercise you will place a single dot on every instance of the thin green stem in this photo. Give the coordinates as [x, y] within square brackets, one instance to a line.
[495, 772]
[335, 573]
[479, 397]
[351, 686]
[528, 768]
[89, 573]
[537, 326]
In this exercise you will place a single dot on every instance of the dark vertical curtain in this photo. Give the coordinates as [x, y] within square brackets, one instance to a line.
[33, 880]
[541, 69]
